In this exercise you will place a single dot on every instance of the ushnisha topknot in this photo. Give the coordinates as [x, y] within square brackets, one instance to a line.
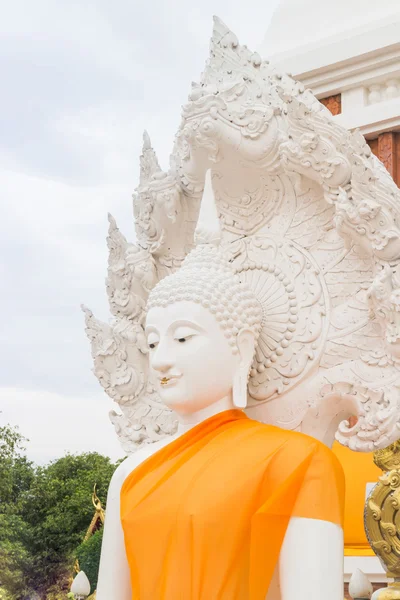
[207, 278]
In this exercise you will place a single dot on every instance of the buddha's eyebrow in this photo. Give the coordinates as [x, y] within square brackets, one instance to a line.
[186, 323]
[150, 328]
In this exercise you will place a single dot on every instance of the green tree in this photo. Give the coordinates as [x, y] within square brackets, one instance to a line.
[16, 472]
[88, 554]
[15, 559]
[16, 476]
[44, 515]
[58, 510]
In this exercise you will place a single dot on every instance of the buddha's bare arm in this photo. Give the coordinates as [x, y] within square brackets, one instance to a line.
[114, 577]
[311, 561]
[114, 580]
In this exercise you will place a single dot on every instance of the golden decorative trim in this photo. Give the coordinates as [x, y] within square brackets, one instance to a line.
[382, 521]
[382, 517]
[388, 458]
[77, 568]
[98, 515]
[391, 593]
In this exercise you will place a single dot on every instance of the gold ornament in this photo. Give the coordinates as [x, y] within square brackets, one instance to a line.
[382, 521]
[382, 517]
[388, 458]
[392, 592]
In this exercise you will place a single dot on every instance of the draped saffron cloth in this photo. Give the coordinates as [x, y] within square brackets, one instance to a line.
[204, 518]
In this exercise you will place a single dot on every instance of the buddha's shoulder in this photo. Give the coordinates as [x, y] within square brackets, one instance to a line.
[134, 460]
[292, 439]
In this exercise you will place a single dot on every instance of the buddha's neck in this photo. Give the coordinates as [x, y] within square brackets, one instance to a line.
[186, 422]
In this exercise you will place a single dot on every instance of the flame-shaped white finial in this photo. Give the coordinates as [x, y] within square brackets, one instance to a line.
[81, 585]
[360, 587]
[149, 164]
[208, 229]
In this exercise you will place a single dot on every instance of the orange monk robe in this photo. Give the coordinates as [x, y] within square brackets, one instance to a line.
[204, 518]
[359, 470]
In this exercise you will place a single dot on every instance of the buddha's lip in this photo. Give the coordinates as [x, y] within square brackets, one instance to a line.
[169, 380]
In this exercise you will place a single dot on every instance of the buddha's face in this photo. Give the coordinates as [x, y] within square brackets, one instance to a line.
[190, 356]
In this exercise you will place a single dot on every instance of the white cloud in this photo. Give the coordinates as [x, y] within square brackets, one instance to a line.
[57, 423]
[54, 258]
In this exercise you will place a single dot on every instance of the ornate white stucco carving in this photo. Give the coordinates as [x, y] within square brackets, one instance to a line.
[386, 90]
[310, 220]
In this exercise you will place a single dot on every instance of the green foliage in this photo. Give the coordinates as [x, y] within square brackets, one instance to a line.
[88, 554]
[16, 471]
[15, 558]
[44, 515]
[16, 475]
[5, 595]
[59, 510]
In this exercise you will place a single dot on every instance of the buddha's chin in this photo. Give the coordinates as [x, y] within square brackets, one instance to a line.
[173, 398]
[180, 402]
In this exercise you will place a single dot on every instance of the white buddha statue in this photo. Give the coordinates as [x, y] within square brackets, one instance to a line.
[228, 508]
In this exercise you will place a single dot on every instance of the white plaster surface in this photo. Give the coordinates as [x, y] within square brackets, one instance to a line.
[295, 24]
[360, 586]
[370, 565]
[352, 48]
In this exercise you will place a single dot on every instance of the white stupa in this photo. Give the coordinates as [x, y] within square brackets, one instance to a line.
[350, 47]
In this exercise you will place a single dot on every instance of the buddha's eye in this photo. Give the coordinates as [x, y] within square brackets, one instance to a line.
[183, 339]
[152, 341]
[184, 334]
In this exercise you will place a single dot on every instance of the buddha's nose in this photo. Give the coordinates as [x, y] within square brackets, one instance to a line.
[161, 360]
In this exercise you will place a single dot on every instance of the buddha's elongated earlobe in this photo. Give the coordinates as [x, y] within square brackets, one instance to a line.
[245, 342]
[239, 390]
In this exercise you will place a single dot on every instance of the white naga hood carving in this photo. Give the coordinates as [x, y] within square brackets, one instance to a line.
[310, 220]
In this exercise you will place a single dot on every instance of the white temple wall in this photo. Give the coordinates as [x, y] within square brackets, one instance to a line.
[350, 48]
[297, 23]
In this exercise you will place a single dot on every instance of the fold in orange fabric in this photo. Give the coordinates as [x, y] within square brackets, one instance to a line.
[204, 518]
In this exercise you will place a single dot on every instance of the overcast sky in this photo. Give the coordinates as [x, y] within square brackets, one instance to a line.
[80, 81]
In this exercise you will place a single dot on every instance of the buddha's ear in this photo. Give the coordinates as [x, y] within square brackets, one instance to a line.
[245, 341]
